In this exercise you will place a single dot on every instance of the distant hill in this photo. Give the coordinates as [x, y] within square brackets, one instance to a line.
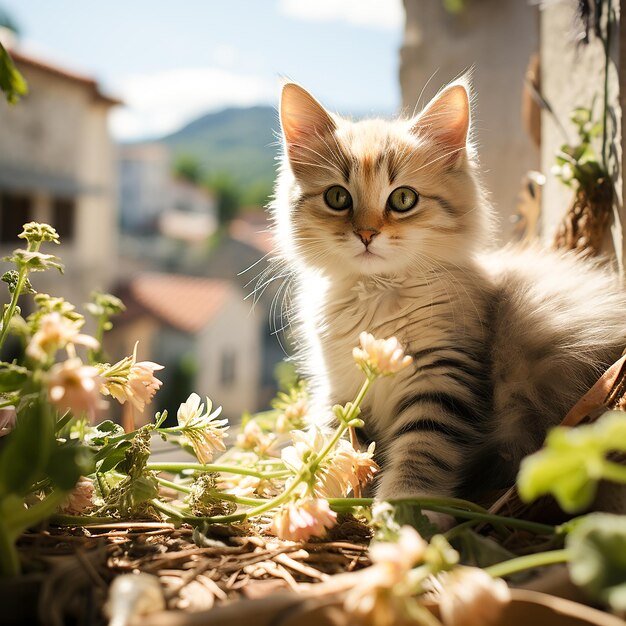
[237, 141]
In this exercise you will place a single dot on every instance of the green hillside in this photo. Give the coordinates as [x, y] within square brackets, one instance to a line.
[237, 142]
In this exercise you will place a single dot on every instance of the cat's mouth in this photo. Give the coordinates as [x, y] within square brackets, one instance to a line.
[366, 254]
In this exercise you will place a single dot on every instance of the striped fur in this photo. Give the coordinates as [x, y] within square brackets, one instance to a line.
[503, 342]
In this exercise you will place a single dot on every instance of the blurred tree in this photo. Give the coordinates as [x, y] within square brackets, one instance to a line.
[258, 193]
[187, 167]
[228, 196]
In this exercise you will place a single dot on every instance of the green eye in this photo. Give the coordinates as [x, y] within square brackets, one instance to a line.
[338, 198]
[402, 199]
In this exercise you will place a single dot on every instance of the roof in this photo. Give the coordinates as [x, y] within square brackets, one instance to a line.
[22, 59]
[187, 303]
[253, 229]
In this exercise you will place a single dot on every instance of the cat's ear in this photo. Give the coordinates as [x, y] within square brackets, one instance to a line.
[302, 116]
[446, 120]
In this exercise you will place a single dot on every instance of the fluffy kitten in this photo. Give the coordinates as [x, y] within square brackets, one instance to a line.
[387, 229]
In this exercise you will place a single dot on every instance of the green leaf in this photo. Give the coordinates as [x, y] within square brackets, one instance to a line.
[100, 434]
[479, 551]
[597, 548]
[11, 81]
[572, 462]
[111, 456]
[67, 464]
[34, 261]
[27, 450]
[12, 377]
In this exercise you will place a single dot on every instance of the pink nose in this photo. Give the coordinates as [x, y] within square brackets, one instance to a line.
[366, 235]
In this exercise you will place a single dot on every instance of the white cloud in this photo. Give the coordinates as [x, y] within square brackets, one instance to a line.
[162, 102]
[381, 14]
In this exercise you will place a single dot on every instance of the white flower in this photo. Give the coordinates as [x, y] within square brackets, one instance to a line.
[8, 417]
[132, 381]
[302, 519]
[306, 444]
[469, 596]
[81, 498]
[346, 470]
[399, 557]
[201, 430]
[56, 332]
[74, 387]
[380, 356]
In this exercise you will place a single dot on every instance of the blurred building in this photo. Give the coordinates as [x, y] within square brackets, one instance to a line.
[153, 200]
[57, 166]
[201, 330]
[144, 175]
[496, 38]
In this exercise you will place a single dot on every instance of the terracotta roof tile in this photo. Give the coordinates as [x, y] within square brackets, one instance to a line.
[187, 303]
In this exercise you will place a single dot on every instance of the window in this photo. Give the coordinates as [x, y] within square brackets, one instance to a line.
[15, 211]
[64, 218]
[227, 373]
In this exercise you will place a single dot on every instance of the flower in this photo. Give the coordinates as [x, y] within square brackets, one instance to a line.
[200, 430]
[8, 417]
[81, 498]
[302, 519]
[306, 444]
[55, 332]
[470, 596]
[293, 416]
[346, 469]
[384, 593]
[253, 438]
[74, 387]
[132, 381]
[397, 558]
[380, 356]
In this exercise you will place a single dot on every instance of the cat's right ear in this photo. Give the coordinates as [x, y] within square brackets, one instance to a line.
[302, 117]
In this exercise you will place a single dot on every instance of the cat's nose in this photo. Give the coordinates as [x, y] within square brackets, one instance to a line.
[366, 235]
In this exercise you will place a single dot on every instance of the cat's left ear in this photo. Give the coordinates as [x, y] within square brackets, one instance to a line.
[446, 121]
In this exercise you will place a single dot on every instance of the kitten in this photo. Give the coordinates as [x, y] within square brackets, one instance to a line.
[386, 228]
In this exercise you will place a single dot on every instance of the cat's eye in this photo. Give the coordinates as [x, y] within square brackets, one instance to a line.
[402, 199]
[338, 198]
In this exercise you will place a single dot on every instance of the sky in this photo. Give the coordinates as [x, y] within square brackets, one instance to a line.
[171, 62]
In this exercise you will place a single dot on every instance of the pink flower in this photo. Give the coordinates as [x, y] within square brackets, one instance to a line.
[75, 387]
[293, 416]
[380, 356]
[253, 438]
[56, 332]
[8, 416]
[470, 596]
[302, 519]
[345, 470]
[130, 381]
[81, 498]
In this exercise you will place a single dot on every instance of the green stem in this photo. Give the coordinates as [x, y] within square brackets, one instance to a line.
[343, 426]
[170, 511]
[227, 497]
[173, 485]
[454, 507]
[529, 561]
[36, 513]
[225, 469]
[8, 315]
